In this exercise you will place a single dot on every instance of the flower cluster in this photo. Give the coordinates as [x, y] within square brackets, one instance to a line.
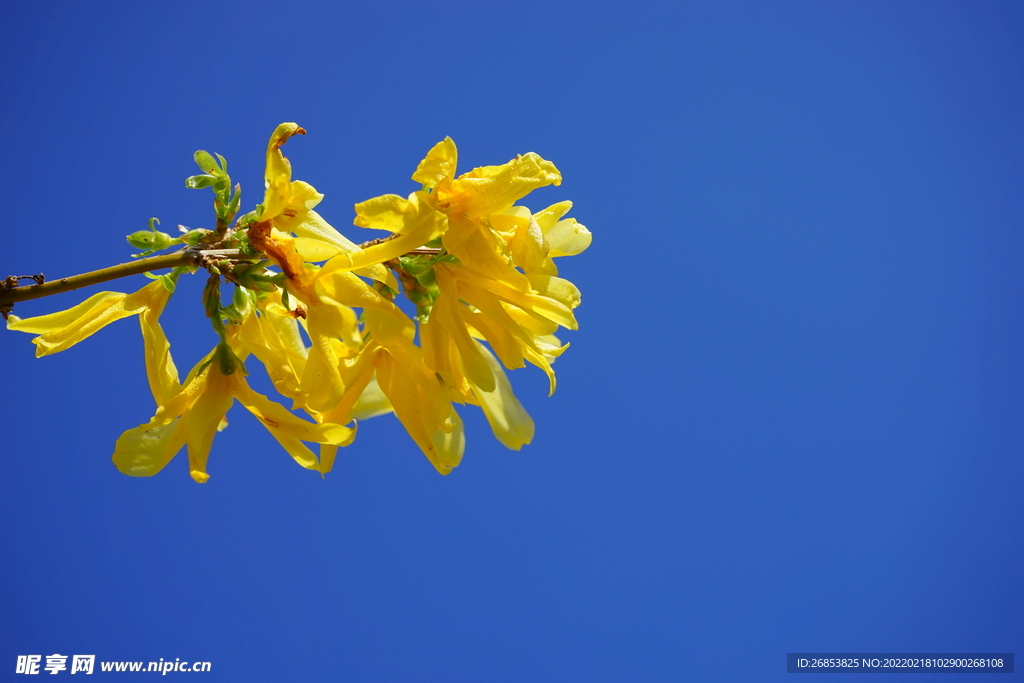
[320, 312]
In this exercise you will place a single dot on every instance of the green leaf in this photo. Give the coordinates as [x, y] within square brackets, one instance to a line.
[233, 315]
[206, 163]
[198, 182]
[427, 278]
[168, 282]
[235, 200]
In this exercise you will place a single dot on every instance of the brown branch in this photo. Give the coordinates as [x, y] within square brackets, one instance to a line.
[11, 293]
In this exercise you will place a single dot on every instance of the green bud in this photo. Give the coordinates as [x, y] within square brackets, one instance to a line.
[211, 297]
[143, 239]
[240, 300]
[152, 239]
[193, 237]
[243, 241]
[246, 220]
[226, 359]
[253, 276]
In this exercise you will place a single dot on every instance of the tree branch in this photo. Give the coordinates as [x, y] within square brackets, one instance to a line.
[11, 293]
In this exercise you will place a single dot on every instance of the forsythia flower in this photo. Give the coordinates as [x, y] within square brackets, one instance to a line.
[192, 414]
[478, 268]
[62, 330]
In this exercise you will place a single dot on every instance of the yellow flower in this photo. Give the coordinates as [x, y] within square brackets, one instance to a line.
[413, 222]
[340, 366]
[272, 335]
[62, 330]
[332, 327]
[501, 287]
[288, 207]
[534, 240]
[479, 269]
[417, 397]
[193, 413]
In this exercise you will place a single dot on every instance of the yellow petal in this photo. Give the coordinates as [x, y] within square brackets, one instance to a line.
[320, 381]
[568, 238]
[289, 429]
[62, 330]
[278, 174]
[146, 449]
[548, 217]
[274, 339]
[313, 226]
[525, 239]
[509, 421]
[559, 289]
[504, 336]
[533, 303]
[312, 249]
[529, 322]
[387, 212]
[491, 189]
[544, 363]
[511, 219]
[203, 419]
[439, 164]
[160, 370]
[481, 251]
[446, 312]
[303, 196]
[372, 402]
[417, 407]
[450, 443]
[356, 373]
[54, 322]
[413, 220]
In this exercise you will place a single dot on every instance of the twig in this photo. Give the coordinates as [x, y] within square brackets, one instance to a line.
[11, 293]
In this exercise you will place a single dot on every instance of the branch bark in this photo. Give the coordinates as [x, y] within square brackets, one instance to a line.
[11, 293]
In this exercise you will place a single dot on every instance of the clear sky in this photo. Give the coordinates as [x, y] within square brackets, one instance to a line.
[791, 420]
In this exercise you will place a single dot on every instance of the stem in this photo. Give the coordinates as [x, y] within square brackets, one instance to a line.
[11, 293]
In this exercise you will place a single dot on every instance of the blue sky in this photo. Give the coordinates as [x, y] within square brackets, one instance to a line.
[790, 420]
